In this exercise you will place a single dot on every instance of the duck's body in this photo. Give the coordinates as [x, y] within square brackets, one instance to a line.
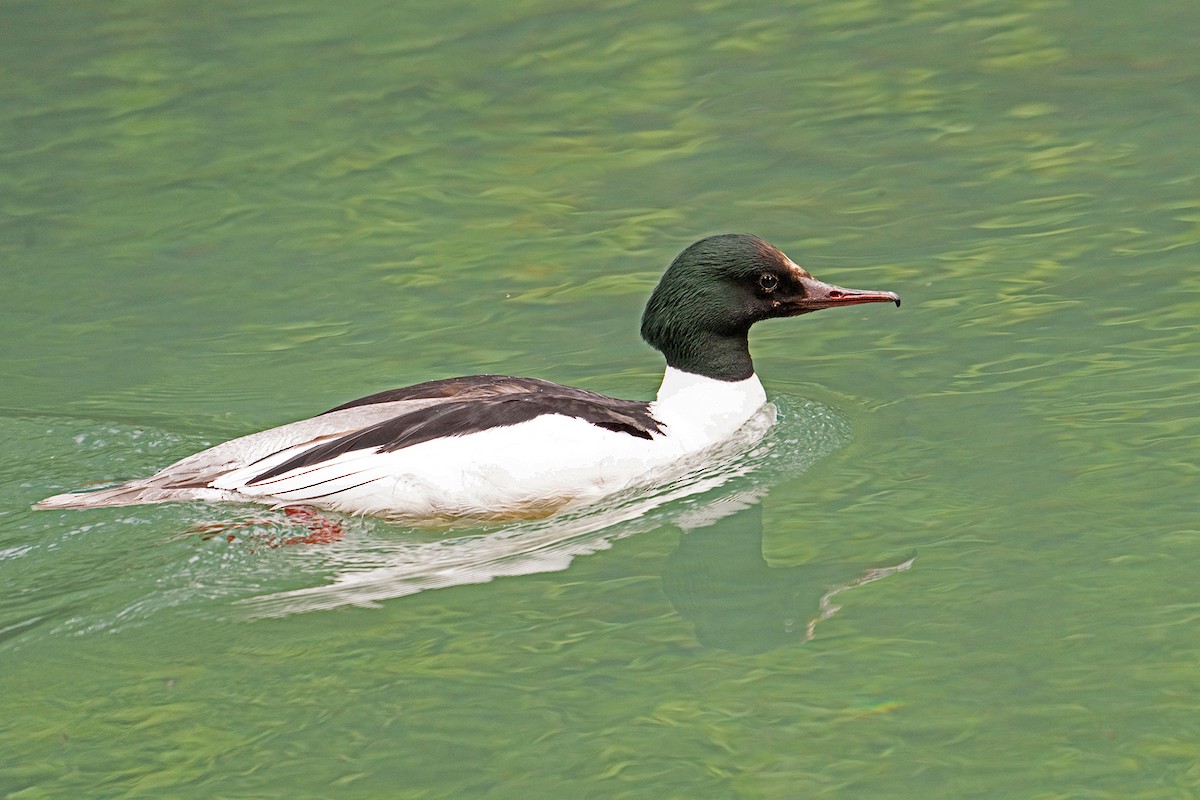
[496, 446]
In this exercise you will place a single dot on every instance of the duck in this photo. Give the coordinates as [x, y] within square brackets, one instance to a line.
[495, 447]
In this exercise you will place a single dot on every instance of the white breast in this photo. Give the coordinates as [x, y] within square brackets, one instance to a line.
[700, 411]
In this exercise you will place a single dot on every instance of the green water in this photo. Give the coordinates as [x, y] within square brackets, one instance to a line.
[216, 218]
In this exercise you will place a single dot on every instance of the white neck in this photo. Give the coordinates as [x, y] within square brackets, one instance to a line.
[695, 407]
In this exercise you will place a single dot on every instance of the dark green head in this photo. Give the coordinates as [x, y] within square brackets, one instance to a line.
[701, 312]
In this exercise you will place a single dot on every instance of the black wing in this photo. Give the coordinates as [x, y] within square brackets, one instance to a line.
[465, 388]
[475, 404]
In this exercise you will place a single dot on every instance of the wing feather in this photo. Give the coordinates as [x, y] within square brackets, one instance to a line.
[459, 417]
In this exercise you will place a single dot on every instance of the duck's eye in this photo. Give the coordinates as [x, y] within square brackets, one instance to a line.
[769, 281]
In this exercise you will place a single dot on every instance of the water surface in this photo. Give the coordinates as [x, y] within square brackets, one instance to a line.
[964, 567]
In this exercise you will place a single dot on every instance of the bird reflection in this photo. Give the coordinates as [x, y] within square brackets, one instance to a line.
[718, 580]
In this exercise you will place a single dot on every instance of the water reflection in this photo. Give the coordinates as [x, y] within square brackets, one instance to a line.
[718, 579]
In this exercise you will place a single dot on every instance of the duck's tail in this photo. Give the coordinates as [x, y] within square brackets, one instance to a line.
[128, 494]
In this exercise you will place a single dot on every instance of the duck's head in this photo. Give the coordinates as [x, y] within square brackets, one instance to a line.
[701, 312]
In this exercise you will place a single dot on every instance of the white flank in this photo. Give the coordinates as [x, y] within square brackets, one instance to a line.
[549, 463]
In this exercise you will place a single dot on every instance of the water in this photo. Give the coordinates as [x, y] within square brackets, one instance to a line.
[215, 220]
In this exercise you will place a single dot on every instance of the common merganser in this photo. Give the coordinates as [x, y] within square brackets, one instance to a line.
[495, 446]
